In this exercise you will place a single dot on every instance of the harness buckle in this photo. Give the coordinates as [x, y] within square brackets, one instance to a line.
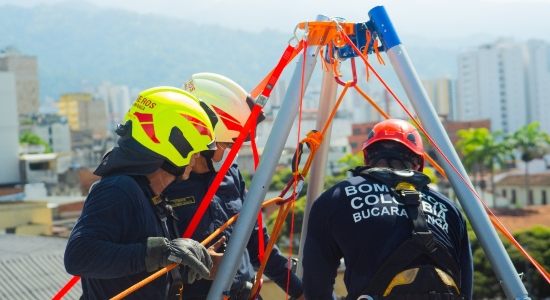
[365, 297]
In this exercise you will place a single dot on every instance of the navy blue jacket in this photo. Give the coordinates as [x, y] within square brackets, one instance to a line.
[186, 196]
[357, 220]
[108, 242]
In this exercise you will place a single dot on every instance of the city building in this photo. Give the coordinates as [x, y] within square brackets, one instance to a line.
[505, 82]
[83, 113]
[44, 168]
[341, 129]
[55, 131]
[25, 69]
[117, 102]
[538, 74]
[9, 130]
[513, 187]
[442, 94]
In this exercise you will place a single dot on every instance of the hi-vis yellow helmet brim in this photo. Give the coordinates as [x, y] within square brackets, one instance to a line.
[169, 123]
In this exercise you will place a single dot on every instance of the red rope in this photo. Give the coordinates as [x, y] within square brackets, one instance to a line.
[66, 288]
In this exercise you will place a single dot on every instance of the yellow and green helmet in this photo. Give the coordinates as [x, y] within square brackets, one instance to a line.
[168, 123]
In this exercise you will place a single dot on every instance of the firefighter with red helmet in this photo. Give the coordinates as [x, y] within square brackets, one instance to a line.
[399, 238]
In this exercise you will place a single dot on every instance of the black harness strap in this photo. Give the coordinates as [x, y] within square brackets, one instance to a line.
[163, 211]
[421, 243]
[426, 296]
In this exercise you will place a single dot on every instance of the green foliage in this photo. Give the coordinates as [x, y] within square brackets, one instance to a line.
[530, 141]
[351, 161]
[479, 146]
[247, 177]
[536, 241]
[28, 137]
[280, 179]
[430, 172]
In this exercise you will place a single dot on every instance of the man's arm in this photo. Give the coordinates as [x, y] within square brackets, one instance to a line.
[93, 249]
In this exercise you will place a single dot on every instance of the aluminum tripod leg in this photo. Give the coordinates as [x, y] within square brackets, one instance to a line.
[258, 187]
[317, 173]
[488, 238]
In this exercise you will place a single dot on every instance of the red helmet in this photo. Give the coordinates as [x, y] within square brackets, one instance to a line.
[399, 131]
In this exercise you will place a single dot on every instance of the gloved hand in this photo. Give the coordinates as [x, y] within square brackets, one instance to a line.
[190, 253]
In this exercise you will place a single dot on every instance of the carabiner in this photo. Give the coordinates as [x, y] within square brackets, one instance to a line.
[353, 71]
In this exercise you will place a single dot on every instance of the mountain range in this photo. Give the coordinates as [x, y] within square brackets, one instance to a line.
[84, 44]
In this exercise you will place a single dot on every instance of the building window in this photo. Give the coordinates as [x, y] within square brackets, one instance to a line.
[356, 131]
[514, 200]
[353, 145]
[530, 200]
[39, 166]
[503, 193]
[544, 201]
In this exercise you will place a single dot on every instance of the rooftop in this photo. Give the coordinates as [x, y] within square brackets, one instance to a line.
[31, 267]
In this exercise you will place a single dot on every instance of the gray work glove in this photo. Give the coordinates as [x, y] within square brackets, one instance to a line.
[190, 253]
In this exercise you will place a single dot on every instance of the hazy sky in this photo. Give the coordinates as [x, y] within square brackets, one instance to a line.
[521, 19]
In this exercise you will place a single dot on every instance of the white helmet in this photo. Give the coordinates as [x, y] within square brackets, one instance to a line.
[229, 100]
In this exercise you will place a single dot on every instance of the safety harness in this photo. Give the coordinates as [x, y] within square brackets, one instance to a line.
[165, 214]
[420, 268]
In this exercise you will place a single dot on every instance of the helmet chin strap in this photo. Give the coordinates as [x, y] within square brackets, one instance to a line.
[208, 154]
[173, 170]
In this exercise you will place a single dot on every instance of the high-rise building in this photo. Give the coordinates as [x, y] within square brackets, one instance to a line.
[503, 82]
[117, 102]
[538, 75]
[83, 114]
[25, 69]
[9, 131]
[442, 94]
[55, 131]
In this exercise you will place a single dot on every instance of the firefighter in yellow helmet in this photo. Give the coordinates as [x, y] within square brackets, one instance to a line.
[126, 231]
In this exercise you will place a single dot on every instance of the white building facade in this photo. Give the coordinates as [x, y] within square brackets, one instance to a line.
[9, 130]
[502, 82]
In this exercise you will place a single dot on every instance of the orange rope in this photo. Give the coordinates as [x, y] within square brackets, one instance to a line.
[164, 270]
[324, 66]
[378, 56]
[283, 212]
[366, 52]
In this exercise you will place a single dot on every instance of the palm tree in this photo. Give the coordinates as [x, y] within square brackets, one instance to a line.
[483, 150]
[532, 143]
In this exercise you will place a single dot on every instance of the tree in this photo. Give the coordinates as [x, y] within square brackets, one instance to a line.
[28, 137]
[484, 150]
[536, 241]
[351, 161]
[531, 142]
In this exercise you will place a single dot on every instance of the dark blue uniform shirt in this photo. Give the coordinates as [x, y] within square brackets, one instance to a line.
[108, 242]
[186, 196]
[353, 220]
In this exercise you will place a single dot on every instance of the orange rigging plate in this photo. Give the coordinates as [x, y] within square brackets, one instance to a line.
[321, 32]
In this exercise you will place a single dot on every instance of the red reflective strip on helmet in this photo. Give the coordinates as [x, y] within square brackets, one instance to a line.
[199, 125]
[144, 117]
[149, 127]
[229, 122]
[150, 131]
